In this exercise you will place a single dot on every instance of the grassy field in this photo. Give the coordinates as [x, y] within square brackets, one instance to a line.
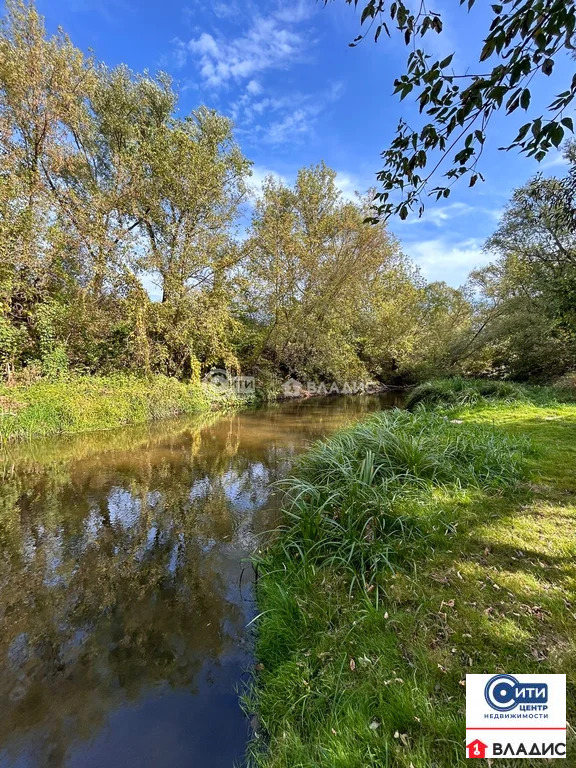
[418, 548]
[88, 403]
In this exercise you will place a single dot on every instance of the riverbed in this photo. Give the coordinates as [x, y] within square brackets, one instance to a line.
[126, 591]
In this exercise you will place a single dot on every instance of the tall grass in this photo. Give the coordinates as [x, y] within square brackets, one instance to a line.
[405, 562]
[458, 392]
[360, 498]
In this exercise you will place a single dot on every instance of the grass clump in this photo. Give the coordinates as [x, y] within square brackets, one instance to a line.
[368, 493]
[86, 403]
[418, 547]
[459, 392]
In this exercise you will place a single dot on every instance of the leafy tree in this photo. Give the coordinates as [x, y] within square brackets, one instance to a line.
[312, 267]
[99, 185]
[530, 291]
[524, 40]
[189, 204]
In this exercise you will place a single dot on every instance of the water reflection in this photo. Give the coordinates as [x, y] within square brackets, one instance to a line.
[124, 601]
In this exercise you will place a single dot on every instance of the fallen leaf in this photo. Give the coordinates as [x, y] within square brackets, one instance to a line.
[352, 665]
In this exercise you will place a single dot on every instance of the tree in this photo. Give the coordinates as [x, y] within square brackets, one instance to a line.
[524, 40]
[313, 265]
[42, 88]
[189, 205]
[100, 186]
[530, 291]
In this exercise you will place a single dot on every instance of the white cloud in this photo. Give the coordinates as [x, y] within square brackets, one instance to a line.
[291, 126]
[555, 159]
[276, 120]
[179, 54]
[254, 88]
[259, 175]
[349, 184]
[296, 12]
[225, 10]
[438, 215]
[222, 9]
[269, 43]
[441, 260]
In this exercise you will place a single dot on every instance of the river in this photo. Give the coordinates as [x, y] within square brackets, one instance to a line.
[125, 591]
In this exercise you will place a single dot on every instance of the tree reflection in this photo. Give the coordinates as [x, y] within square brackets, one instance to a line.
[120, 557]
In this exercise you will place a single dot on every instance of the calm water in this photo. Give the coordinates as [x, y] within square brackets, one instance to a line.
[124, 597]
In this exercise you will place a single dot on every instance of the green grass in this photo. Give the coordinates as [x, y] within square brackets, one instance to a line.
[458, 392]
[418, 548]
[87, 403]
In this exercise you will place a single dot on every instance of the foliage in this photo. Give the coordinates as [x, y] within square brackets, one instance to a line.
[82, 404]
[120, 248]
[375, 675]
[328, 296]
[524, 41]
[101, 187]
[313, 266]
[459, 392]
[526, 313]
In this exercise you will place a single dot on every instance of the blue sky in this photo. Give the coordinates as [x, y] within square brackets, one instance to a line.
[298, 94]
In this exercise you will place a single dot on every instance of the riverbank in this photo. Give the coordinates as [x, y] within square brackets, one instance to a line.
[420, 547]
[87, 403]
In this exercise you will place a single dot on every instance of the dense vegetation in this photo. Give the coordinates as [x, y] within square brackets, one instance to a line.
[88, 403]
[418, 547]
[123, 249]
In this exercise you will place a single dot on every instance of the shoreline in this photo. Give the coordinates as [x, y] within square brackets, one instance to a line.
[79, 404]
[82, 404]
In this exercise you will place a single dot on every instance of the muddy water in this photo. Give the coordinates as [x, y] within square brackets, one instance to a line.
[124, 595]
